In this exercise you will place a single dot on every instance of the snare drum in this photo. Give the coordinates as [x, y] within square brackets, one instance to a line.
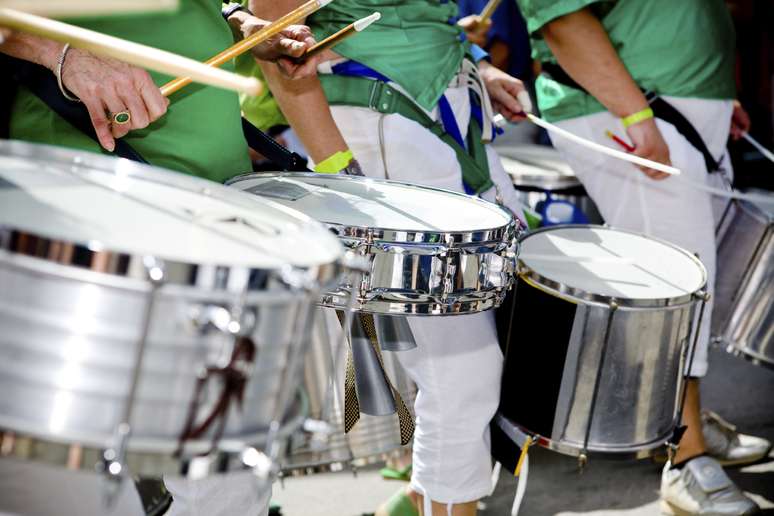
[743, 317]
[547, 184]
[431, 251]
[599, 333]
[129, 296]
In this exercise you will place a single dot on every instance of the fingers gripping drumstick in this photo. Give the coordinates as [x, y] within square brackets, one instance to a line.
[333, 40]
[127, 51]
[274, 28]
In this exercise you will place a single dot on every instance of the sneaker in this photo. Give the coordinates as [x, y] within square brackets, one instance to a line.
[702, 488]
[728, 446]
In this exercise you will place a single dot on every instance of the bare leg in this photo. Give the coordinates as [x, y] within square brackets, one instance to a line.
[692, 443]
[440, 509]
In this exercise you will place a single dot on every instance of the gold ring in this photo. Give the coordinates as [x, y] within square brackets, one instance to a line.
[122, 118]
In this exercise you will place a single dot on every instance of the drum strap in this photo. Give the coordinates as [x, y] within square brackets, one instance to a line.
[351, 402]
[661, 109]
[380, 96]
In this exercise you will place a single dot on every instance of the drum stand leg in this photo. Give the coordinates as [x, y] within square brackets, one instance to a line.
[113, 465]
[674, 443]
[583, 457]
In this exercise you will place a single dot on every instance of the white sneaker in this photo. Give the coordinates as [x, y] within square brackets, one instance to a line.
[702, 488]
[728, 446]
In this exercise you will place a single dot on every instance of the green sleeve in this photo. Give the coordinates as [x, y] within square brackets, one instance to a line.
[539, 12]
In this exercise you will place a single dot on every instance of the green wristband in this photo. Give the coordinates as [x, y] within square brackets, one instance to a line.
[637, 117]
[334, 164]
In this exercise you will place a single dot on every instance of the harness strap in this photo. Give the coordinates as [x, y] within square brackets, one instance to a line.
[661, 109]
[379, 96]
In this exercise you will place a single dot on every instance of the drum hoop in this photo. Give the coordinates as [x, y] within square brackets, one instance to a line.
[148, 173]
[392, 234]
[578, 295]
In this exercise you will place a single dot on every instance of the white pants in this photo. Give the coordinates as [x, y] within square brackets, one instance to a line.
[668, 209]
[34, 489]
[457, 363]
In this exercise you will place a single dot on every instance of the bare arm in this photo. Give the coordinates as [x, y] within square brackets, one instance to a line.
[583, 49]
[302, 101]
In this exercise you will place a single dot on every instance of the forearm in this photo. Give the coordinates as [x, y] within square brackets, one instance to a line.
[44, 52]
[305, 107]
[583, 49]
[302, 101]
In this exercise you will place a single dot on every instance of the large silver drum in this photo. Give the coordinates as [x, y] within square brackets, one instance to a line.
[370, 439]
[743, 317]
[431, 251]
[139, 305]
[599, 337]
[546, 183]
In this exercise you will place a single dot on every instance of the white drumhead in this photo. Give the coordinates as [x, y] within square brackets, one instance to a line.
[119, 206]
[611, 263]
[362, 202]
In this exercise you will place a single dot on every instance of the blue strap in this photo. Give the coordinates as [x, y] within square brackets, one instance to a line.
[449, 121]
[354, 69]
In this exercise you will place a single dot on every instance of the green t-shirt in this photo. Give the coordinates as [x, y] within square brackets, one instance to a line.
[683, 48]
[201, 133]
[413, 43]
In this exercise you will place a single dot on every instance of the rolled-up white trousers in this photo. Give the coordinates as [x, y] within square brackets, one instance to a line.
[670, 209]
[34, 489]
[457, 363]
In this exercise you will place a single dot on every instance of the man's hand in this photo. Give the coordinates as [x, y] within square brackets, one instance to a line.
[107, 86]
[649, 143]
[475, 28]
[740, 121]
[290, 43]
[508, 94]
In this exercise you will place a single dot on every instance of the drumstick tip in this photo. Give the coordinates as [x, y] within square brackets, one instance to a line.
[323, 3]
[363, 23]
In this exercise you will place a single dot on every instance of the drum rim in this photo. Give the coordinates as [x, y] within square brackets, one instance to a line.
[576, 294]
[391, 235]
[151, 174]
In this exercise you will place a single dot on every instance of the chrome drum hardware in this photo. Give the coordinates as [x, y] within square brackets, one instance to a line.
[431, 252]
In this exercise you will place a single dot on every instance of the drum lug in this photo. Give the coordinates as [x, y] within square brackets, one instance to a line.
[259, 463]
[112, 467]
[583, 460]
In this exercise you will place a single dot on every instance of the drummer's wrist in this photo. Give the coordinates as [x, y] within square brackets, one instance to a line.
[335, 163]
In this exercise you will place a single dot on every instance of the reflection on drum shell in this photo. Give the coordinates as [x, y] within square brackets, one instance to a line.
[69, 341]
[743, 316]
[551, 368]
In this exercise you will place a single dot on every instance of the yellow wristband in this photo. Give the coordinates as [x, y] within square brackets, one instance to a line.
[637, 117]
[334, 164]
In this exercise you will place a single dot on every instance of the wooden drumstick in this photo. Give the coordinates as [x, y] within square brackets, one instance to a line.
[67, 8]
[127, 51]
[274, 28]
[488, 10]
[334, 39]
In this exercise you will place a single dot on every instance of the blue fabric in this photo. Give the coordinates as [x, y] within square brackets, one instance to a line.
[509, 27]
[355, 69]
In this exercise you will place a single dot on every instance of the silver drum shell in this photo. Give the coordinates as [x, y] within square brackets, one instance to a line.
[640, 374]
[70, 335]
[372, 436]
[743, 317]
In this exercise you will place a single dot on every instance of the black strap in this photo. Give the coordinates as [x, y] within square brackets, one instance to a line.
[661, 109]
[268, 146]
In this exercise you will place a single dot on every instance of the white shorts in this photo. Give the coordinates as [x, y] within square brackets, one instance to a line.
[666, 209]
[457, 363]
